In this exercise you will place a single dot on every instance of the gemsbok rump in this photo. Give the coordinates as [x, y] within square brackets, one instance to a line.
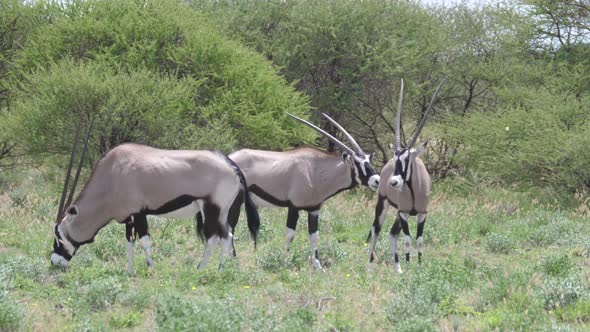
[407, 188]
[132, 181]
[303, 179]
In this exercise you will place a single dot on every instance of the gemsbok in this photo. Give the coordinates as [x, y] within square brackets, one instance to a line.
[133, 181]
[302, 179]
[407, 188]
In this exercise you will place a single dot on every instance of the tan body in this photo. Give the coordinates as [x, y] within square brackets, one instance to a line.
[132, 181]
[403, 199]
[131, 178]
[302, 178]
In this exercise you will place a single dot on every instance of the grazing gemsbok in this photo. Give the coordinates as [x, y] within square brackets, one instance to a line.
[407, 187]
[303, 179]
[132, 181]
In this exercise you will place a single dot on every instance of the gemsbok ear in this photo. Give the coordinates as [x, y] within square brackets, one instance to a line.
[73, 210]
[346, 158]
[417, 151]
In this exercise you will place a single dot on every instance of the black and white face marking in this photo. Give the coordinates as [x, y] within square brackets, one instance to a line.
[63, 249]
[364, 173]
[403, 171]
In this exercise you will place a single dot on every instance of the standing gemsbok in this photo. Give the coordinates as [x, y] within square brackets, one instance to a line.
[407, 187]
[302, 179]
[132, 181]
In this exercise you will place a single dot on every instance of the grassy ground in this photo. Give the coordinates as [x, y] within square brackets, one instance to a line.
[494, 259]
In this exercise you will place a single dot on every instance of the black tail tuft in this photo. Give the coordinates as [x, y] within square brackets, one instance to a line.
[252, 216]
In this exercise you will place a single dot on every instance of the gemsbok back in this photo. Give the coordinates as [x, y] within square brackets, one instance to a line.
[407, 188]
[303, 179]
[132, 181]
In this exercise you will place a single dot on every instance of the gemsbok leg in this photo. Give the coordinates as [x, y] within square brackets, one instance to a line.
[227, 237]
[406, 229]
[314, 236]
[393, 235]
[210, 217]
[130, 236]
[234, 215]
[420, 230]
[141, 229]
[136, 227]
[292, 217]
[380, 213]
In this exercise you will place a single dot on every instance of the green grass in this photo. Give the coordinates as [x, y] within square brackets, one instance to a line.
[494, 260]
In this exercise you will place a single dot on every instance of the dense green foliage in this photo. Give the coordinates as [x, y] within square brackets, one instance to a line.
[149, 72]
[348, 56]
[198, 76]
[492, 260]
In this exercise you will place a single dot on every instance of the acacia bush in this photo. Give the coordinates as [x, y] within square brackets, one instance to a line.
[150, 72]
[543, 144]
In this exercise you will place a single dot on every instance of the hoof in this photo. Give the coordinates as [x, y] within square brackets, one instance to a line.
[317, 265]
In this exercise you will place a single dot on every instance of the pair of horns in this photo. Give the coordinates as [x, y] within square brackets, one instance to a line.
[63, 204]
[398, 142]
[357, 148]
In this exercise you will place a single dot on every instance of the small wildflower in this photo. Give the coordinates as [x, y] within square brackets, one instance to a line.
[507, 128]
[247, 287]
[194, 287]
[348, 275]
[365, 244]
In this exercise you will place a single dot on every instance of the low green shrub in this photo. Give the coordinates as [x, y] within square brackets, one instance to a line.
[125, 320]
[561, 292]
[558, 265]
[175, 313]
[276, 260]
[102, 293]
[499, 243]
[11, 314]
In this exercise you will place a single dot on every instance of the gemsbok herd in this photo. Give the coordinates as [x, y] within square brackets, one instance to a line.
[132, 181]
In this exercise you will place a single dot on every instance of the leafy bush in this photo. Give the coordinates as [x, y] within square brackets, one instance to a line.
[11, 316]
[557, 265]
[125, 320]
[430, 291]
[540, 144]
[135, 299]
[17, 268]
[152, 72]
[200, 314]
[558, 293]
[499, 243]
[274, 260]
[103, 293]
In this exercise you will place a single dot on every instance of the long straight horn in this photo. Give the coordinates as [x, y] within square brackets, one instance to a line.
[398, 141]
[355, 145]
[80, 163]
[330, 137]
[425, 116]
[68, 173]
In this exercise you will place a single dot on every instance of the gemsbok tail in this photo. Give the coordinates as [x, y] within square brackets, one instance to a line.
[252, 215]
